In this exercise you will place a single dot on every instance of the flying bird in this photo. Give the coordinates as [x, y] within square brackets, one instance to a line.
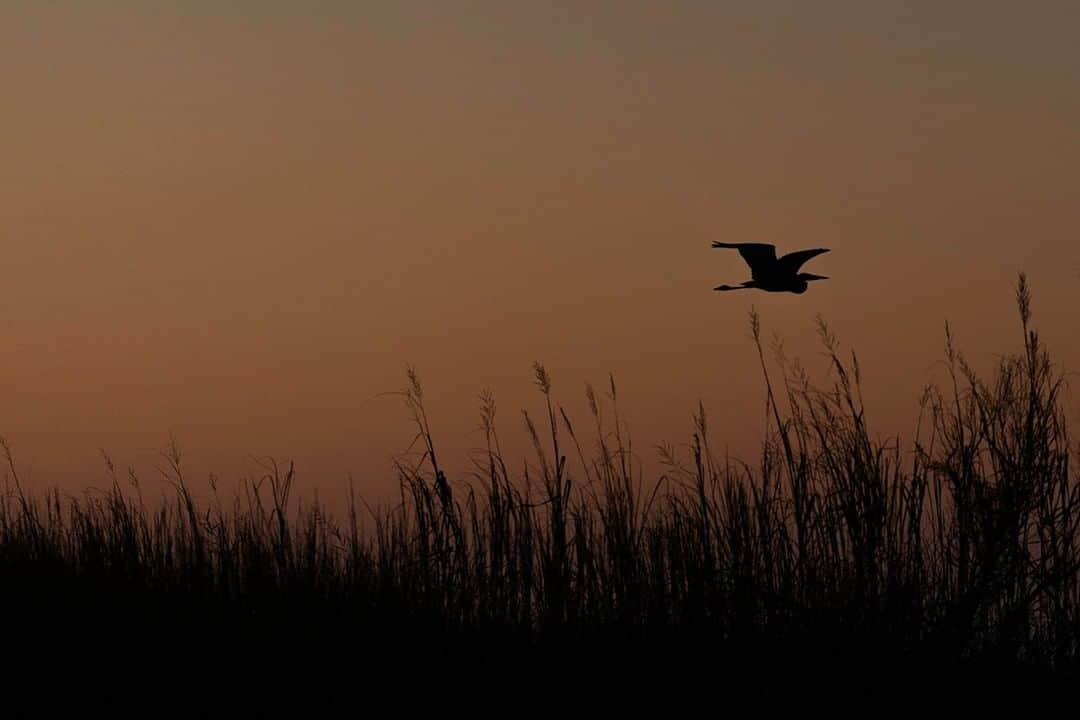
[769, 273]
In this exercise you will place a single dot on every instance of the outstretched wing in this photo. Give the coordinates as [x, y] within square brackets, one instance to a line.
[759, 256]
[790, 263]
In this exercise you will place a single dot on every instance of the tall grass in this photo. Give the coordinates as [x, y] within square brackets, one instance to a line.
[962, 546]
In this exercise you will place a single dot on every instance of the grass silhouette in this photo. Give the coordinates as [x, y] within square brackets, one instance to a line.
[842, 572]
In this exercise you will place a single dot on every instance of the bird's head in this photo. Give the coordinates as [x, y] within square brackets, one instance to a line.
[804, 280]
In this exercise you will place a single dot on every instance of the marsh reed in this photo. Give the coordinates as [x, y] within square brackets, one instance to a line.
[958, 549]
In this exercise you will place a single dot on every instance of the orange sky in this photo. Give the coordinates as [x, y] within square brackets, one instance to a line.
[238, 225]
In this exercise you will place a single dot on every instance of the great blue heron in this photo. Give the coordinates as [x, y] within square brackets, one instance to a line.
[770, 273]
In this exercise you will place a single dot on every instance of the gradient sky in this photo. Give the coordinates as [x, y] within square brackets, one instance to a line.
[238, 224]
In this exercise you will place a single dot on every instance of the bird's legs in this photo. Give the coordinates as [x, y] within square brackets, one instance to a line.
[745, 286]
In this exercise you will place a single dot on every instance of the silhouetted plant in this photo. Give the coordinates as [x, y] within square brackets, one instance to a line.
[964, 546]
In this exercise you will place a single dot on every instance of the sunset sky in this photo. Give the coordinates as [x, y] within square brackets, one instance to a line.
[238, 222]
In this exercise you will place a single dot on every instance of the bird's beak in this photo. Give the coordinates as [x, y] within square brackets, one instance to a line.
[808, 276]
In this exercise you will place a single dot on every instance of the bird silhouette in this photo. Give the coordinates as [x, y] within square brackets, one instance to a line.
[770, 273]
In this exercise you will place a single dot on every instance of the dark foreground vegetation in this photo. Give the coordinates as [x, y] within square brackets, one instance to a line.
[841, 573]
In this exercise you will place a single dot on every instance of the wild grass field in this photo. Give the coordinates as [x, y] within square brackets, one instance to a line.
[842, 572]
